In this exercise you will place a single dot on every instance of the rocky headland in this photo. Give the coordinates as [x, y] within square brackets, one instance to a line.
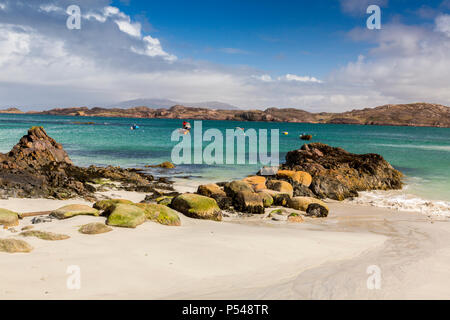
[39, 167]
[413, 114]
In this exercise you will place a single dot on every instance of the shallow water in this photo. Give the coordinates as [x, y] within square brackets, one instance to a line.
[422, 154]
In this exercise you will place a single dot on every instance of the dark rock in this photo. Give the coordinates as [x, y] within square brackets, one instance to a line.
[38, 167]
[317, 210]
[339, 174]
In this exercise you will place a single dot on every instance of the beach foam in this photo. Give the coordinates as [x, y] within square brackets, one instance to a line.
[401, 201]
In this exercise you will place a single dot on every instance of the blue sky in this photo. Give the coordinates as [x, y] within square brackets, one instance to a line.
[312, 55]
[281, 36]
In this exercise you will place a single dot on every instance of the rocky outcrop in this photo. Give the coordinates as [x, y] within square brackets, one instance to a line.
[212, 190]
[339, 174]
[39, 167]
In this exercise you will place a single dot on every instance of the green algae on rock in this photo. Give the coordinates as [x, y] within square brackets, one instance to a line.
[126, 216]
[160, 213]
[73, 210]
[197, 206]
[44, 235]
[8, 218]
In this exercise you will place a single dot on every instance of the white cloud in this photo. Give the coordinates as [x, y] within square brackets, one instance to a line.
[133, 29]
[2, 6]
[443, 24]
[264, 77]
[50, 8]
[293, 77]
[153, 49]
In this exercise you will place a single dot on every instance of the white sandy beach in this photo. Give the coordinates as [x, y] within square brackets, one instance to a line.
[318, 259]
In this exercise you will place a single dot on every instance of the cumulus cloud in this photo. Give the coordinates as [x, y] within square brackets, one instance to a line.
[443, 24]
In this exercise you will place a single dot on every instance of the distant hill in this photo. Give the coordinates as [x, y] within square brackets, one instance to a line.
[165, 104]
[11, 110]
[414, 114]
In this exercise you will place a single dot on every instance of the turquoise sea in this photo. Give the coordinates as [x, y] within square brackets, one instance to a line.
[422, 154]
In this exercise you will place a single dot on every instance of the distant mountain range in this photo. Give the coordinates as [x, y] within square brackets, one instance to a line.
[165, 103]
[413, 114]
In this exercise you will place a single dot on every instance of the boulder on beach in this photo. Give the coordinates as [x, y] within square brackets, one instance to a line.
[9, 218]
[160, 214]
[302, 203]
[317, 210]
[234, 187]
[14, 246]
[197, 206]
[214, 191]
[281, 186]
[251, 202]
[279, 198]
[94, 228]
[125, 215]
[338, 174]
[44, 235]
[266, 198]
[105, 204]
[300, 177]
[73, 210]
[210, 190]
[257, 182]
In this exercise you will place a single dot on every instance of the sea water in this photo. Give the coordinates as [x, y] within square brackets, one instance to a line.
[421, 153]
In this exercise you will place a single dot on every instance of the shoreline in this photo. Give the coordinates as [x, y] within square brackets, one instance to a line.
[317, 259]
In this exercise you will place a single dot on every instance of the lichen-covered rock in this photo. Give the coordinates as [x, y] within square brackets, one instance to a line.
[279, 198]
[44, 235]
[197, 206]
[94, 228]
[300, 177]
[257, 182]
[266, 198]
[126, 216]
[281, 186]
[211, 190]
[9, 218]
[14, 246]
[105, 204]
[317, 210]
[250, 202]
[338, 174]
[160, 213]
[164, 200]
[302, 203]
[234, 187]
[73, 210]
